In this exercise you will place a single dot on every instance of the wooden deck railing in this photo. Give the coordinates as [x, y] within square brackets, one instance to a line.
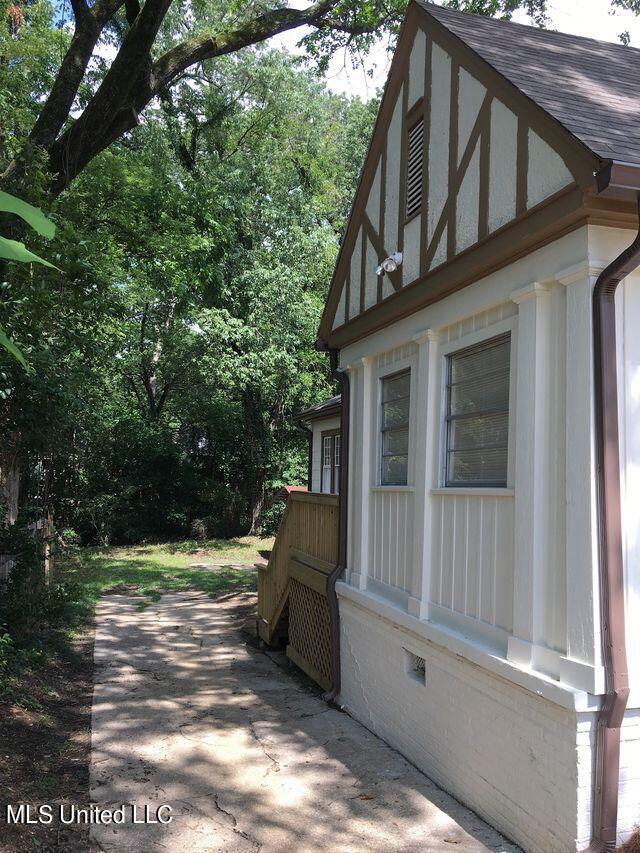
[291, 588]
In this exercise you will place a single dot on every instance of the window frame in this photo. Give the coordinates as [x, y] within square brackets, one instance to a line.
[402, 371]
[334, 486]
[501, 329]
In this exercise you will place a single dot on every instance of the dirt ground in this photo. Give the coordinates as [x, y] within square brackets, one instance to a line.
[45, 750]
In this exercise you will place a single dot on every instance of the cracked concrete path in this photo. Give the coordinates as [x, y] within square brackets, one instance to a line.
[186, 713]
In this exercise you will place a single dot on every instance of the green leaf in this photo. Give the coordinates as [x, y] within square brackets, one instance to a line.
[12, 250]
[8, 344]
[31, 215]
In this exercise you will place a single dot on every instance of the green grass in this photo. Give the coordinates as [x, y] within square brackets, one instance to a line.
[150, 570]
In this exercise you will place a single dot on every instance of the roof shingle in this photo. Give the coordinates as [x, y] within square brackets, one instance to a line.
[589, 86]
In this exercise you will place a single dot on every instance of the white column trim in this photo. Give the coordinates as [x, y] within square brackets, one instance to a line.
[531, 523]
[426, 423]
[361, 550]
[582, 665]
[534, 290]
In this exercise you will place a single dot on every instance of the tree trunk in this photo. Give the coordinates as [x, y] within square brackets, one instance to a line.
[257, 508]
[10, 476]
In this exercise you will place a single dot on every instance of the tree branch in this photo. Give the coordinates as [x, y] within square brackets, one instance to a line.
[134, 79]
[89, 24]
[265, 26]
[80, 9]
[132, 8]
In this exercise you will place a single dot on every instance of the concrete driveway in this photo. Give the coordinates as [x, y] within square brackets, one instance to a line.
[188, 714]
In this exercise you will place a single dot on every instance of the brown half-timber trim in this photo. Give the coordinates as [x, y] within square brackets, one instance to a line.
[416, 111]
[484, 169]
[347, 295]
[343, 517]
[383, 207]
[367, 227]
[456, 176]
[448, 218]
[522, 166]
[404, 156]
[426, 113]
[580, 160]
[551, 219]
[363, 269]
[611, 563]
[395, 80]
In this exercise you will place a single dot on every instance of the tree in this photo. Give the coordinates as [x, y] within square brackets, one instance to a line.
[85, 112]
[151, 57]
[196, 253]
[206, 183]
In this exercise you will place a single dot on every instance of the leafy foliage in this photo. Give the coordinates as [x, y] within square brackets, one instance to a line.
[171, 353]
[13, 250]
[200, 184]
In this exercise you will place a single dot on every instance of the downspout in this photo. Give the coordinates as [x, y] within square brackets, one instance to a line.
[342, 377]
[305, 430]
[611, 715]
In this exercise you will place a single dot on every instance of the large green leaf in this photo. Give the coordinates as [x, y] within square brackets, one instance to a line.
[8, 344]
[34, 217]
[12, 250]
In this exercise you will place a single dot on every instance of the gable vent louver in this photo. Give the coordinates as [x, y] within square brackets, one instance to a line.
[414, 168]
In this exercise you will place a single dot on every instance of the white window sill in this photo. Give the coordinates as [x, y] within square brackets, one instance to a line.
[471, 490]
[392, 489]
[469, 649]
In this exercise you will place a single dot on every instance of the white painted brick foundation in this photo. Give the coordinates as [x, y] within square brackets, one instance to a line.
[520, 761]
[629, 803]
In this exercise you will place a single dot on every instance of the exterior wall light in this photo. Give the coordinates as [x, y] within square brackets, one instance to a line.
[390, 264]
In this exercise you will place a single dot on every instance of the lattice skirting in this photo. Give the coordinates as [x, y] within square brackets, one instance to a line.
[309, 642]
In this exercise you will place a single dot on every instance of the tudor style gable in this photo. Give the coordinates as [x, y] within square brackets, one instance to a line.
[457, 156]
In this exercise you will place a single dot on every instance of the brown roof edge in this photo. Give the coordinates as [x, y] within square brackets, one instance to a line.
[320, 410]
[341, 376]
[611, 715]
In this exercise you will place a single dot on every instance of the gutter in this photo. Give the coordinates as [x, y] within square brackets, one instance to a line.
[611, 714]
[332, 599]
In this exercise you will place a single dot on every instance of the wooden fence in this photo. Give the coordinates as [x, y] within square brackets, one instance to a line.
[292, 598]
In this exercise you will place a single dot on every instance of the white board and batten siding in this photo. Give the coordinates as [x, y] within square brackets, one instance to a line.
[493, 564]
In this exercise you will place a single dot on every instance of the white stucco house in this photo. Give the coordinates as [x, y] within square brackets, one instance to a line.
[487, 589]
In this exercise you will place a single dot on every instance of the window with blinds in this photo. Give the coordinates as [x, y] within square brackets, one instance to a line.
[414, 168]
[477, 414]
[394, 428]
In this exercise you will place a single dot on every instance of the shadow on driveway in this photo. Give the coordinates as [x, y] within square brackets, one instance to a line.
[187, 713]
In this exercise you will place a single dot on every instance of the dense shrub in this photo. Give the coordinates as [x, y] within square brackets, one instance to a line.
[28, 605]
[271, 518]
